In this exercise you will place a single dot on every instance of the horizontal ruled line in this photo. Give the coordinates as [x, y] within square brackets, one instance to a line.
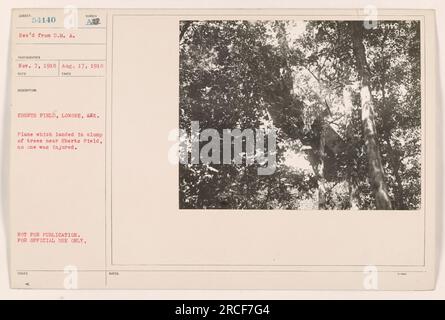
[59, 43]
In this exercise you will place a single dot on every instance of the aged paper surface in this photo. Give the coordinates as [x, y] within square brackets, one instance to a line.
[335, 186]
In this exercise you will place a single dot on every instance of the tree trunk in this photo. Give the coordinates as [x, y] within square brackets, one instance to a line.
[316, 157]
[395, 165]
[352, 163]
[376, 172]
[321, 178]
[394, 158]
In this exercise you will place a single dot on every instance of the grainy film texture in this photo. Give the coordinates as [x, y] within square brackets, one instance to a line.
[314, 115]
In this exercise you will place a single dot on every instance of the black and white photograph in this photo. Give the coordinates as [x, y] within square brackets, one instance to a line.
[342, 99]
[330, 110]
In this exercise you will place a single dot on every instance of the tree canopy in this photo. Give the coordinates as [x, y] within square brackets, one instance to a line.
[337, 146]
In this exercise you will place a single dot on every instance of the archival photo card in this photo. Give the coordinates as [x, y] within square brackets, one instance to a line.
[223, 149]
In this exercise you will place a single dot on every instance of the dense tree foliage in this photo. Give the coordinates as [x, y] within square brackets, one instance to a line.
[345, 101]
